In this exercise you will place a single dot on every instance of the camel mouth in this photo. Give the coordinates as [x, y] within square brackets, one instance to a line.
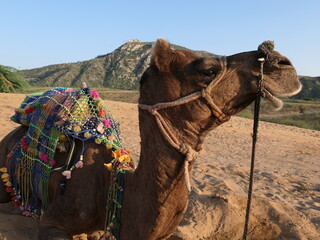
[274, 101]
[270, 95]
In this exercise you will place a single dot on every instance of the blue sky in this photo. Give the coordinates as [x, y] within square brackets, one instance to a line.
[39, 33]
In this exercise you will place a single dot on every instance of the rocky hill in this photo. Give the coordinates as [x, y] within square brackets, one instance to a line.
[310, 89]
[120, 69]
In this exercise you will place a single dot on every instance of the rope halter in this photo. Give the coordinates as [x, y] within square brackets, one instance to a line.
[185, 149]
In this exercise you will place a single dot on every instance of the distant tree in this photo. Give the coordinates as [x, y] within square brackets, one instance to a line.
[11, 81]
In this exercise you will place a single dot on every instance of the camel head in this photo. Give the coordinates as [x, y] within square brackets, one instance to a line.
[279, 76]
[233, 82]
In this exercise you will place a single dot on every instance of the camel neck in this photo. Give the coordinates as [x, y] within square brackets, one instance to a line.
[156, 193]
[159, 161]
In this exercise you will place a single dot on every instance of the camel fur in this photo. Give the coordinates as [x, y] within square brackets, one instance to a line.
[156, 196]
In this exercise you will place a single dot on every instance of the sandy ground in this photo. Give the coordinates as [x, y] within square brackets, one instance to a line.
[286, 201]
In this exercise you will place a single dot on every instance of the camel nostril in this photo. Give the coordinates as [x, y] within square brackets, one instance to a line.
[284, 62]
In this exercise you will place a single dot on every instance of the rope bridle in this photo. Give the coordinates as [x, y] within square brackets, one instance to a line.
[185, 149]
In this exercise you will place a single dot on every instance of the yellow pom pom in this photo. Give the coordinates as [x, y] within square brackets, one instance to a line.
[8, 184]
[87, 135]
[100, 104]
[4, 176]
[109, 145]
[3, 169]
[62, 138]
[124, 158]
[77, 129]
[108, 166]
[35, 152]
[116, 154]
[6, 179]
[98, 140]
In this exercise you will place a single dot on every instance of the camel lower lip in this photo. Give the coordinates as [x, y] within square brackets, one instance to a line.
[276, 102]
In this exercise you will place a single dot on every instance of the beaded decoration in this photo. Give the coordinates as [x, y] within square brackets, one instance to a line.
[52, 116]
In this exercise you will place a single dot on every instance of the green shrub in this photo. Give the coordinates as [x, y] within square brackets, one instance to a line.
[11, 81]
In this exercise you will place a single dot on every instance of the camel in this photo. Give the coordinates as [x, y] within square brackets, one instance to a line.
[182, 98]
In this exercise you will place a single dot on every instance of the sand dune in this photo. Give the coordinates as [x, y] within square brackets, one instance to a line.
[286, 201]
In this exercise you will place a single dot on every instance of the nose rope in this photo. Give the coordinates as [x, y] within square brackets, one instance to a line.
[253, 150]
[165, 129]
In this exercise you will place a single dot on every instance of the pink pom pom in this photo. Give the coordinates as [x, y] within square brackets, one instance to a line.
[106, 122]
[69, 90]
[94, 94]
[100, 128]
[123, 152]
[79, 164]
[52, 163]
[67, 174]
[45, 158]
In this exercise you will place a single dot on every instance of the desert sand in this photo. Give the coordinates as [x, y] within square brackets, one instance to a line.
[286, 198]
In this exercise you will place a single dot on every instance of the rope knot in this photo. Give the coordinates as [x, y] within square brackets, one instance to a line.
[189, 152]
[151, 110]
[184, 149]
[204, 92]
[266, 48]
[190, 156]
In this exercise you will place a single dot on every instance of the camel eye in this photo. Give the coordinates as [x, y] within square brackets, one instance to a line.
[209, 73]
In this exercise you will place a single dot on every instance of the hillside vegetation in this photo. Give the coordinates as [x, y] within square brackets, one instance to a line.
[311, 88]
[10, 80]
[295, 112]
[120, 69]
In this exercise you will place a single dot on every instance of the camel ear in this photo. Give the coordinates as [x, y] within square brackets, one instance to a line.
[162, 55]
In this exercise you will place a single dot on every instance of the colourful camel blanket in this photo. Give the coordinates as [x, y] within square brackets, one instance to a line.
[55, 115]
